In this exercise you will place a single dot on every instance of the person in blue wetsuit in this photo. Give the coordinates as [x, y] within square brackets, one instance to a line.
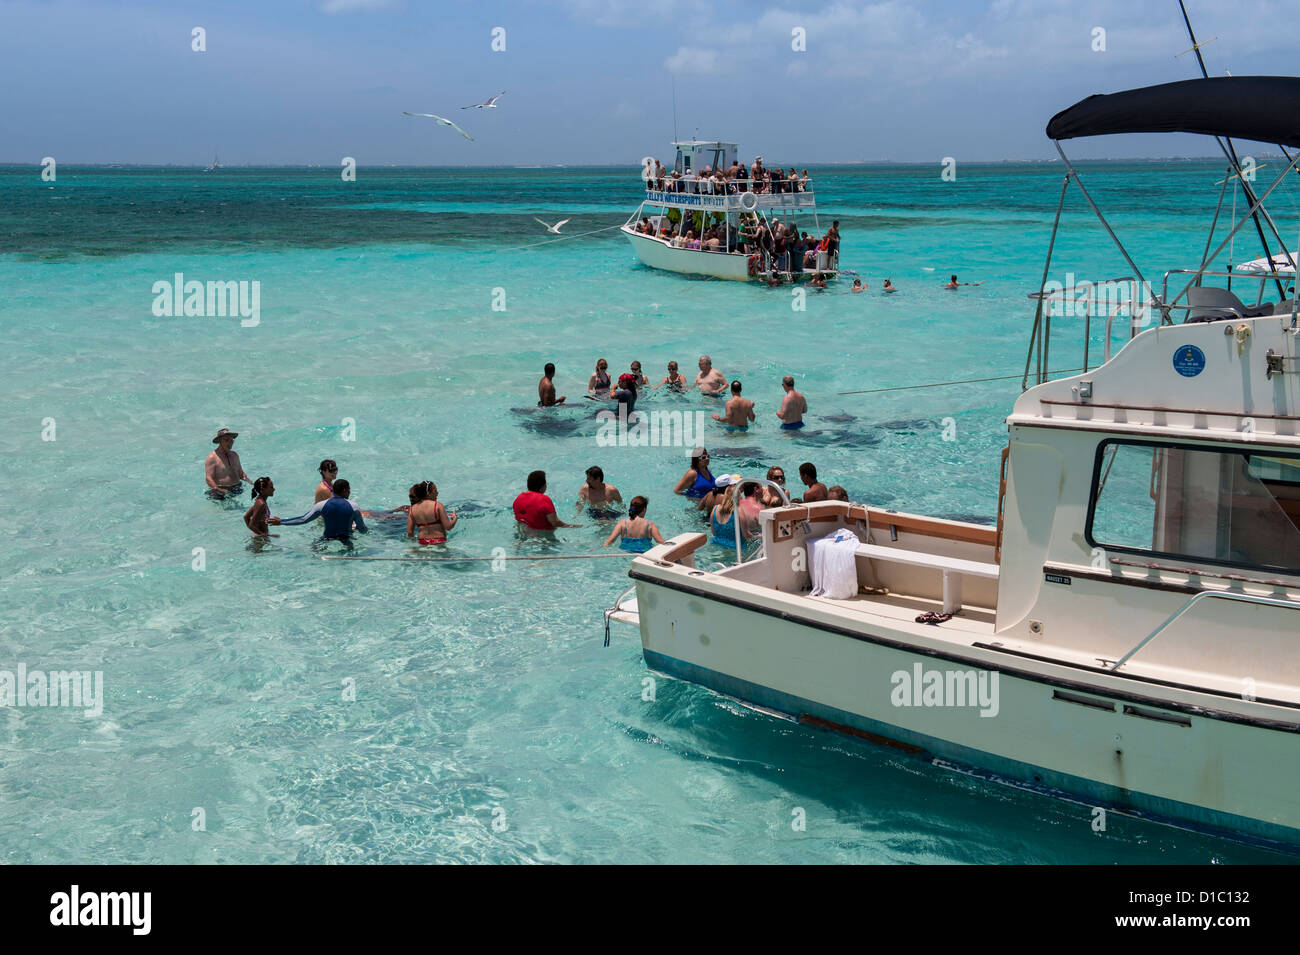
[338, 513]
[698, 479]
[638, 533]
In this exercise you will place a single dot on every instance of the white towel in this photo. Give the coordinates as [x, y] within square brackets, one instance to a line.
[833, 560]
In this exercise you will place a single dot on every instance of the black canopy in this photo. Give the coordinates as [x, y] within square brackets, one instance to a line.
[1263, 109]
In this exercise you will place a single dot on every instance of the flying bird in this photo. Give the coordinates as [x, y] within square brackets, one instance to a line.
[552, 228]
[441, 122]
[490, 104]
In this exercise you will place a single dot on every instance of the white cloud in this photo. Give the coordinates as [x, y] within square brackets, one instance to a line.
[692, 59]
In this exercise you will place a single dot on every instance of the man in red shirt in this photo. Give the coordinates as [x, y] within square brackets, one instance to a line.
[534, 510]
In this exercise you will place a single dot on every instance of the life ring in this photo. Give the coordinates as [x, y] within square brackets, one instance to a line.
[749, 201]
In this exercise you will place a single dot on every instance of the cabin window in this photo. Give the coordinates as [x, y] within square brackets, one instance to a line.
[1195, 503]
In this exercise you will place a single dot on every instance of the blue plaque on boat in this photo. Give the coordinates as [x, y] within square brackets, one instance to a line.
[1189, 361]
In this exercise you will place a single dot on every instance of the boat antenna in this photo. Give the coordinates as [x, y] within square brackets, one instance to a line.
[1231, 152]
[674, 79]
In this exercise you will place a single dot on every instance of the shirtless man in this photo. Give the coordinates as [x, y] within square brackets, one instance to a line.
[953, 283]
[596, 492]
[738, 412]
[793, 406]
[816, 490]
[222, 469]
[675, 381]
[546, 389]
[710, 381]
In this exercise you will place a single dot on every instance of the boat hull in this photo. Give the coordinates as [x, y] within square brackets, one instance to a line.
[1131, 750]
[661, 255]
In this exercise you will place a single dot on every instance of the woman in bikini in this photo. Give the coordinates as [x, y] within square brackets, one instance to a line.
[638, 534]
[598, 384]
[428, 521]
[329, 472]
[258, 516]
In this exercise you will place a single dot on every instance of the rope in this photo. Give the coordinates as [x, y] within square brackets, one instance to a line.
[461, 560]
[944, 384]
[576, 235]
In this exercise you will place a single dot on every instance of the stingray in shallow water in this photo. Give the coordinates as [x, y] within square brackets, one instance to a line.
[838, 418]
[907, 424]
[741, 452]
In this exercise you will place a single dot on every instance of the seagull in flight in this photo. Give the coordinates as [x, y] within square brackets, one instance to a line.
[441, 122]
[490, 104]
[552, 228]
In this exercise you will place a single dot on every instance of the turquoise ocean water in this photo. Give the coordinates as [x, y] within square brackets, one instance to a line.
[482, 696]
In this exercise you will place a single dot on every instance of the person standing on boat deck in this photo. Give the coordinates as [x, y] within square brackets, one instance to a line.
[698, 479]
[816, 490]
[534, 510]
[780, 248]
[598, 383]
[756, 173]
[738, 412]
[546, 389]
[596, 492]
[833, 242]
[793, 406]
[222, 469]
[675, 381]
[338, 513]
[710, 381]
[329, 470]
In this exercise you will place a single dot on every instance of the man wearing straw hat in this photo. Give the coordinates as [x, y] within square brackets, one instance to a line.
[222, 469]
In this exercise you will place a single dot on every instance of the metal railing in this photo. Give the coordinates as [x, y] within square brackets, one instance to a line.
[1096, 298]
[731, 187]
[1205, 595]
[1262, 277]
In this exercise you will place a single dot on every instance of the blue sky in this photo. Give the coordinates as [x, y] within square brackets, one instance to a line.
[590, 81]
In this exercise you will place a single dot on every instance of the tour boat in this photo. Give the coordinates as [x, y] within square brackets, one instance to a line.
[682, 202]
[1126, 635]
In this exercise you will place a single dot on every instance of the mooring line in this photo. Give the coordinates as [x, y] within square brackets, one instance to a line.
[576, 235]
[944, 384]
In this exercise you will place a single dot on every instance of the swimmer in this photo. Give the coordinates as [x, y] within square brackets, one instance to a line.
[338, 513]
[596, 492]
[675, 381]
[598, 383]
[889, 286]
[953, 283]
[534, 510]
[710, 381]
[222, 469]
[837, 493]
[428, 521]
[722, 519]
[793, 406]
[638, 533]
[698, 479]
[816, 490]
[256, 517]
[817, 280]
[768, 496]
[625, 395]
[738, 412]
[328, 472]
[641, 380]
[858, 286]
[546, 389]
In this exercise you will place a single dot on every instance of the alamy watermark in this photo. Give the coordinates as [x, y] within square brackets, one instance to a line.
[80, 689]
[650, 429]
[195, 299]
[922, 687]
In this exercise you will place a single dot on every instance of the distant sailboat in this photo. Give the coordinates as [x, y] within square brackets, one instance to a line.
[216, 162]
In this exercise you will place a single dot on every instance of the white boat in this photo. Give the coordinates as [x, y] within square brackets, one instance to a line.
[1127, 634]
[682, 202]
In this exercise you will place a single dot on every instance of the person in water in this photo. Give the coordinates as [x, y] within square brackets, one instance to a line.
[767, 495]
[625, 395]
[596, 492]
[793, 406]
[328, 472]
[338, 513]
[675, 381]
[710, 381]
[816, 490]
[891, 287]
[535, 511]
[738, 412]
[222, 469]
[257, 517]
[858, 286]
[722, 519]
[953, 283]
[598, 383]
[698, 479]
[837, 493]
[638, 533]
[641, 380]
[546, 388]
[427, 520]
